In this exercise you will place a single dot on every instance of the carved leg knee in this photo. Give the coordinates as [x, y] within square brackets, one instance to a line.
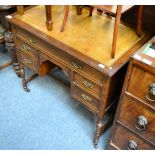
[17, 69]
[97, 133]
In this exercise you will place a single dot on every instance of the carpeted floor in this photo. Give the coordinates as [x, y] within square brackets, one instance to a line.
[47, 118]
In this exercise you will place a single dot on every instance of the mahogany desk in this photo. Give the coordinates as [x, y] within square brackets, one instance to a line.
[82, 51]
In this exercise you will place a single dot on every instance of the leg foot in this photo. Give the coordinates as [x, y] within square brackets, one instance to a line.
[101, 126]
[98, 133]
[24, 82]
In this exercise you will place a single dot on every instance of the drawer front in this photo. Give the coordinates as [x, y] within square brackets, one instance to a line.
[87, 84]
[27, 61]
[138, 118]
[31, 39]
[125, 140]
[88, 100]
[26, 48]
[141, 85]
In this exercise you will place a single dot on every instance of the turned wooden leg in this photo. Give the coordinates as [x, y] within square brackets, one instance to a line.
[20, 9]
[139, 20]
[17, 69]
[101, 126]
[65, 18]
[49, 21]
[24, 82]
[97, 133]
[116, 27]
[91, 10]
[79, 9]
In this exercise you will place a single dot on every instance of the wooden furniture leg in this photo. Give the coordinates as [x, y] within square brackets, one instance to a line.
[24, 80]
[24, 83]
[116, 27]
[101, 126]
[49, 21]
[79, 9]
[91, 10]
[20, 9]
[65, 18]
[10, 45]
[139, 20]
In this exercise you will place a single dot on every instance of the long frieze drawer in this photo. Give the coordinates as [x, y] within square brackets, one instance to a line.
[88, 100]
[87, 84]
[26, 48]
[124, 139]
[27, 36]
[27, 61]
[142, 85]
[138, 118]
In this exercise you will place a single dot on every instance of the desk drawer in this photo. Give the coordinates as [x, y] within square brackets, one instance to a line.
[27, 61]
[88, 100]
[138, 117]
[26, 48]
[30, 38]
[140, 85]
[124, 139]
[87, 84]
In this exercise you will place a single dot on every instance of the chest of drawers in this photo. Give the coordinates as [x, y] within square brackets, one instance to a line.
[134, 125]
[96, 80]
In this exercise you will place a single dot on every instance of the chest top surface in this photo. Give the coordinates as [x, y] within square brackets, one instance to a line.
[89, 38]
[146, 54]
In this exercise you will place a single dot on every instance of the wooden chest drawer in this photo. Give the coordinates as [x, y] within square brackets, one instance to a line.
[124, 139]
[27, 61]
[140, 85]
[26, 48]
[138, 118]
[88, 100]
[87, 84]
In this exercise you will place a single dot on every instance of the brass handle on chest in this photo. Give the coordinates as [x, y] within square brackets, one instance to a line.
[26, 48]
[150, 96]
[32, 40]
[76, 65]
[88, 84]
[141, 123]
[132, 145]
[27, 61]
[86, 98]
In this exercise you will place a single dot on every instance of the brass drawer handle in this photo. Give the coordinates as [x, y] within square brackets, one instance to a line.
[86, 98]
[32, 40]
[141, 123]
[76, 65]
[88, 84]
[150, 96]
[132, 145]
[26, 48]
[27, 61]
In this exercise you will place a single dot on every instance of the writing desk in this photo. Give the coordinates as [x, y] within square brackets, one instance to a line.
[82, 51]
